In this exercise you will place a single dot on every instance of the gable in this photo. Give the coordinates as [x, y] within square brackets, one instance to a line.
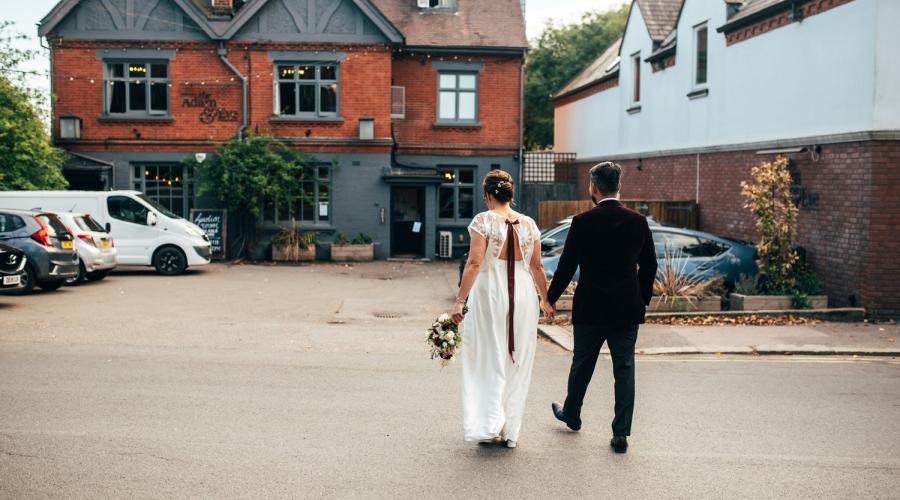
[121, 20]
[312, 21]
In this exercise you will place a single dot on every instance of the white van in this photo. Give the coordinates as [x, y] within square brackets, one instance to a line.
[145, 232]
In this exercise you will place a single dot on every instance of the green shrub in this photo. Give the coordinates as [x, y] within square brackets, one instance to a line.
[361, 239]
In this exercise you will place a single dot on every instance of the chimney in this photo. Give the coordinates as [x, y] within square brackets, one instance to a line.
[222, 7]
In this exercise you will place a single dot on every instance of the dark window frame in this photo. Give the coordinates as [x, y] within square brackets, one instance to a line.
[109, 81]
[699, 59]
[141, 179]
[272, 214]
[318, 82]
[456, 184]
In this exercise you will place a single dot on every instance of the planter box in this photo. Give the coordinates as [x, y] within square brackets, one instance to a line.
[681, 304]
[564, 304]
[287, 253]
[353, 253]
[772, 302]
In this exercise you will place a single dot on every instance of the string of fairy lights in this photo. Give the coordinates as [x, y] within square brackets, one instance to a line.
[351, 54]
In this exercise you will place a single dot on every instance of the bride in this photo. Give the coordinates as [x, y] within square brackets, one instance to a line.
[500, 328]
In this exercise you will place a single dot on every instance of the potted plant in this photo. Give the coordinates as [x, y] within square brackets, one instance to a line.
[676, 289]
[359, 249]
[783, 282]
[290, 245]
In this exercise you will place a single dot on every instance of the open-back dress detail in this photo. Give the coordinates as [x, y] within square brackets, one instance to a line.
[499, 337]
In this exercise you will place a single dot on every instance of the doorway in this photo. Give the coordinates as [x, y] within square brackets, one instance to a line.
[407, 226]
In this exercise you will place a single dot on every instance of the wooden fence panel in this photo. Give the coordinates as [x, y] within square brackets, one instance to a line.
[683, 214]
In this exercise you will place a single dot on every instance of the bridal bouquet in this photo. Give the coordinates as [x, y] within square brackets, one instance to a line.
[443, 338]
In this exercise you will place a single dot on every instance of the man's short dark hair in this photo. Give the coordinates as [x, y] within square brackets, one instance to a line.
[606, 176]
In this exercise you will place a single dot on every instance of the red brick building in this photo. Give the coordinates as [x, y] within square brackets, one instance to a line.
[405, 104]
[696, 93]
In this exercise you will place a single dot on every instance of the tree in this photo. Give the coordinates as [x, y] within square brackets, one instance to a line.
[559, 54]
[28, 160]
[246, 174]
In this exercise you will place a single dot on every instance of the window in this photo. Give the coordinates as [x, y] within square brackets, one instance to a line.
[307, 90]
[166, 186]
[88, 224]
[10, 223]
[313, 206]
[127, 209]
[398, 102]
[636, 68]
[435, 4]
[701, 33]
[137, 88]
[456, 196]
[685, 245]
[457, 97]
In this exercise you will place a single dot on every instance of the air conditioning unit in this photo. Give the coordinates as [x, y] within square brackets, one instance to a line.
[398, 102]
[445, 245]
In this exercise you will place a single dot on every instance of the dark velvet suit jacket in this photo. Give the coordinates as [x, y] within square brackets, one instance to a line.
[614, 248]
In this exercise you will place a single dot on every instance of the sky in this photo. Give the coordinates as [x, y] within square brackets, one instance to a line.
[26, 15]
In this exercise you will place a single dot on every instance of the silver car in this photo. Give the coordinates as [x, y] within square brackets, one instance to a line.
[96, 249]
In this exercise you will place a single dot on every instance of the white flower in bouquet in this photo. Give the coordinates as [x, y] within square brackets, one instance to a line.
[444, 318]
[451, 342]
[444, 345]
[436, 325]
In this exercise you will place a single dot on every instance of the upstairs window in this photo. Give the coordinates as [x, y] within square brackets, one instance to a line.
[636, 71]
[701, 35]
[435, 4]
[307, 90]
[137, 88]
[457, 97]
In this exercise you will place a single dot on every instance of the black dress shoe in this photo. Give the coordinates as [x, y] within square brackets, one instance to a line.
[619, 444]
[574, 424]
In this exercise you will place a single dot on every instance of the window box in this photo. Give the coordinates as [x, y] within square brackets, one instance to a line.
[740, 302]
[293, 253]
[353, 253]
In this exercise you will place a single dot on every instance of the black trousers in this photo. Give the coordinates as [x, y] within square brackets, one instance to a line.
[588, 341]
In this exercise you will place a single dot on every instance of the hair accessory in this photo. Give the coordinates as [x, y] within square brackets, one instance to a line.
[500, 184]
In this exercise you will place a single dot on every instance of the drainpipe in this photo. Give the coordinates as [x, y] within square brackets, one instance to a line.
[522, 112]
[245, 120]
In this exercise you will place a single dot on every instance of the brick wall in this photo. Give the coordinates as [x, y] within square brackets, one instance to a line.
[847, 223]
[498, 108]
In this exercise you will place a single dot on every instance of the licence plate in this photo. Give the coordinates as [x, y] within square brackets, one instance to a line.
[68, 245]
[105, 244]
[12, 280]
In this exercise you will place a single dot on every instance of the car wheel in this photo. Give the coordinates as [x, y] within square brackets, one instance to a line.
[80, 277]
[97, 275]
[170, 261]
[28, 281]
[49, 286]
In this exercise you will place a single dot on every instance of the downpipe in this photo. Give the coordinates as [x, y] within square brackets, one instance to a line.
[245, 118]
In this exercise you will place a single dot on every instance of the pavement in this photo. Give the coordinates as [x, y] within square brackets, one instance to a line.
[849, 339]
[314, 382]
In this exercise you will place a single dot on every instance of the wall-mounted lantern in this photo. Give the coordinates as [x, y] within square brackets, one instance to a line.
[366, 129]
[69, 127]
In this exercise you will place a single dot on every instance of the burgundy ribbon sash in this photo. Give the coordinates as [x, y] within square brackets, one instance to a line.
[511, 282]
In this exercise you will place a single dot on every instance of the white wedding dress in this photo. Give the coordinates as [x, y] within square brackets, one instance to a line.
[494, 382]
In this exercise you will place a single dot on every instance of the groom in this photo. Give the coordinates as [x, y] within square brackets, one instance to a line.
[613, 247]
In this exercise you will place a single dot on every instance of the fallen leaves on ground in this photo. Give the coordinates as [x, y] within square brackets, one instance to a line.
[743, 320]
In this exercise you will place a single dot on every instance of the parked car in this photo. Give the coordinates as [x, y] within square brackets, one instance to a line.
[12, 268]
[47, 244]
[96, 249]
[146, 233]
[707, 255]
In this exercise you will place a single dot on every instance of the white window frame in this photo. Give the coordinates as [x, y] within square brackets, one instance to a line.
[635, 79]
[317, 83]
[148, 80]
[695, 60]
[398, 102]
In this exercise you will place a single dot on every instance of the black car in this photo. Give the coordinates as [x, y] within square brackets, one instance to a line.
[46, 242]
[12, 268]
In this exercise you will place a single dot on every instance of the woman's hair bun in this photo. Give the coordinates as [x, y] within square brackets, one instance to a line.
[499, 184]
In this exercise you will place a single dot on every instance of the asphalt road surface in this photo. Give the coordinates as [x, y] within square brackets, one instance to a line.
[273, 382]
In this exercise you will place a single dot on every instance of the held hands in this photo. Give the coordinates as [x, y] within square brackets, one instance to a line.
[548, 309]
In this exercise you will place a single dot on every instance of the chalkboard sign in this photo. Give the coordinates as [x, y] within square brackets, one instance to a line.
[213, 222]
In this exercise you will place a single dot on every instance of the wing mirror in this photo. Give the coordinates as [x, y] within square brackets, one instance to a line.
[548, 244]
[151, 218]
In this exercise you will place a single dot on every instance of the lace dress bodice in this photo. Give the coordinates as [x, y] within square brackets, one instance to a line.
[492, 227]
